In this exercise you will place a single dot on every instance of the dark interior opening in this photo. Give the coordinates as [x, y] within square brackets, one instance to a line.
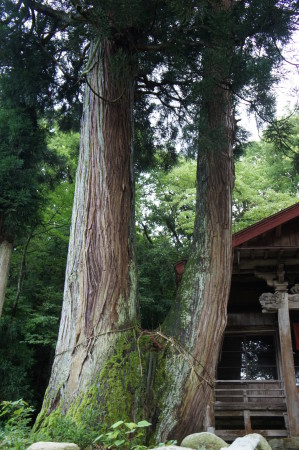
[248, 357]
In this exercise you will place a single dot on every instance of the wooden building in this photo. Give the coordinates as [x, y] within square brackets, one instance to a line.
[255, 389]
[259, 364]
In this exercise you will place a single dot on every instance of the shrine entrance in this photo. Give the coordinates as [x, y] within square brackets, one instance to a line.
[249, 393]
[248, 357]
[255, 388]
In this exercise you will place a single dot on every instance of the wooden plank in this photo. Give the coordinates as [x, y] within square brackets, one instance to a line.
[288, 365]
[210, 419]
[271, 433]
[293, 304]
[247, 421]
[249, 389]
[228, 435]
[238, 413]
[228, 413]
[249, 381]
[253, 406]
[250, 396]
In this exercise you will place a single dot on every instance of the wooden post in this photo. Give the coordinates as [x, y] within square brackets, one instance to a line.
[288, 368]
[247, 421]
[210, 418]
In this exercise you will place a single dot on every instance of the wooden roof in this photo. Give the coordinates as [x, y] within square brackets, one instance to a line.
[265, 225]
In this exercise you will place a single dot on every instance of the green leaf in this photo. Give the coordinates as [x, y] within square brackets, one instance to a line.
[117, 424]
[98, 438]
[112, 435]
[143, 423]
[131, 425]
[119, 442]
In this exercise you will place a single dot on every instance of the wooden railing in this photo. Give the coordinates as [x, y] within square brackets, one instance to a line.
[246, 406]
[249, 391]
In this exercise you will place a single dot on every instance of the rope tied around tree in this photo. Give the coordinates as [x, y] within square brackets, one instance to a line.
[153, 336]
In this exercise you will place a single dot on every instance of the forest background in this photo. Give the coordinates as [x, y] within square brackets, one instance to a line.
[266, 181]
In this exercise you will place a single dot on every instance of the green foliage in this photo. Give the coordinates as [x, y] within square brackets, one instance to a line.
[165, 211]
[156, 278]
[30, 321]
[21, 147]
[65, 429]
[166, 203]
[16, 362]
[124, 435]
[15, 429]
[284, 135]
[266, 182]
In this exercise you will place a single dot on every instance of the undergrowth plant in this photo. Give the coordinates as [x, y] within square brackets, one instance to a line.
[15, 419]
[124, 435]
[16, 433]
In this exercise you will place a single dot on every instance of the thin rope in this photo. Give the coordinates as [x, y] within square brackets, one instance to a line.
[94, 336]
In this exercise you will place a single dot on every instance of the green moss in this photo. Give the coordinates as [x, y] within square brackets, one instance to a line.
[117, 392]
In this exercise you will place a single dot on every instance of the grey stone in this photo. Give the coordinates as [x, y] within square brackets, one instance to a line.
[204, 441]
[53, 446]
[252, 441]
[171, 447]
[285, 443]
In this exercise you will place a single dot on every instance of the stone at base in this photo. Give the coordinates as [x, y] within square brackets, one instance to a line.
[53, 446]
[285, 443]
[170, 447]
[204, 440]
[252, 441]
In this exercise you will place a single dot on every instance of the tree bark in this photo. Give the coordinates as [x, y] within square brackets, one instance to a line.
[5, 258]
[100, 288]
[100, 284]
[198, 318]
[21, 275]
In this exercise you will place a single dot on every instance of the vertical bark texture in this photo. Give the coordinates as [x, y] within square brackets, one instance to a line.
[5, 258]
[198, 318]
[100, 284]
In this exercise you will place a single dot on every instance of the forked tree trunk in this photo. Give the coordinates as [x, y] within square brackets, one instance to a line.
[100, 284]
[96, 367]
[5, 258]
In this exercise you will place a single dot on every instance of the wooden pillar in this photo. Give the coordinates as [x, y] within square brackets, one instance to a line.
[288, 368]
[210, 418]
[247, 421]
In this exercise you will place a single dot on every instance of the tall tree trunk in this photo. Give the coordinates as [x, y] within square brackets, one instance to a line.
[95, 365]
[21, 274]
[198, 318]
[100, 284]
[5, 258]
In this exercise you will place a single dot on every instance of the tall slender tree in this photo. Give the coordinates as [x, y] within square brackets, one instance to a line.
[24, 79]
[200, 56]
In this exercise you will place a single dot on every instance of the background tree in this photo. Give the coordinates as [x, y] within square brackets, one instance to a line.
[266, 182]
[30, 321]
[25, 76]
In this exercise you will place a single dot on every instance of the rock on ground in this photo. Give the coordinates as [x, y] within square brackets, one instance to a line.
[171, 447]
[204, 441]
[285, 443]
[53, 446]
[252, 441]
